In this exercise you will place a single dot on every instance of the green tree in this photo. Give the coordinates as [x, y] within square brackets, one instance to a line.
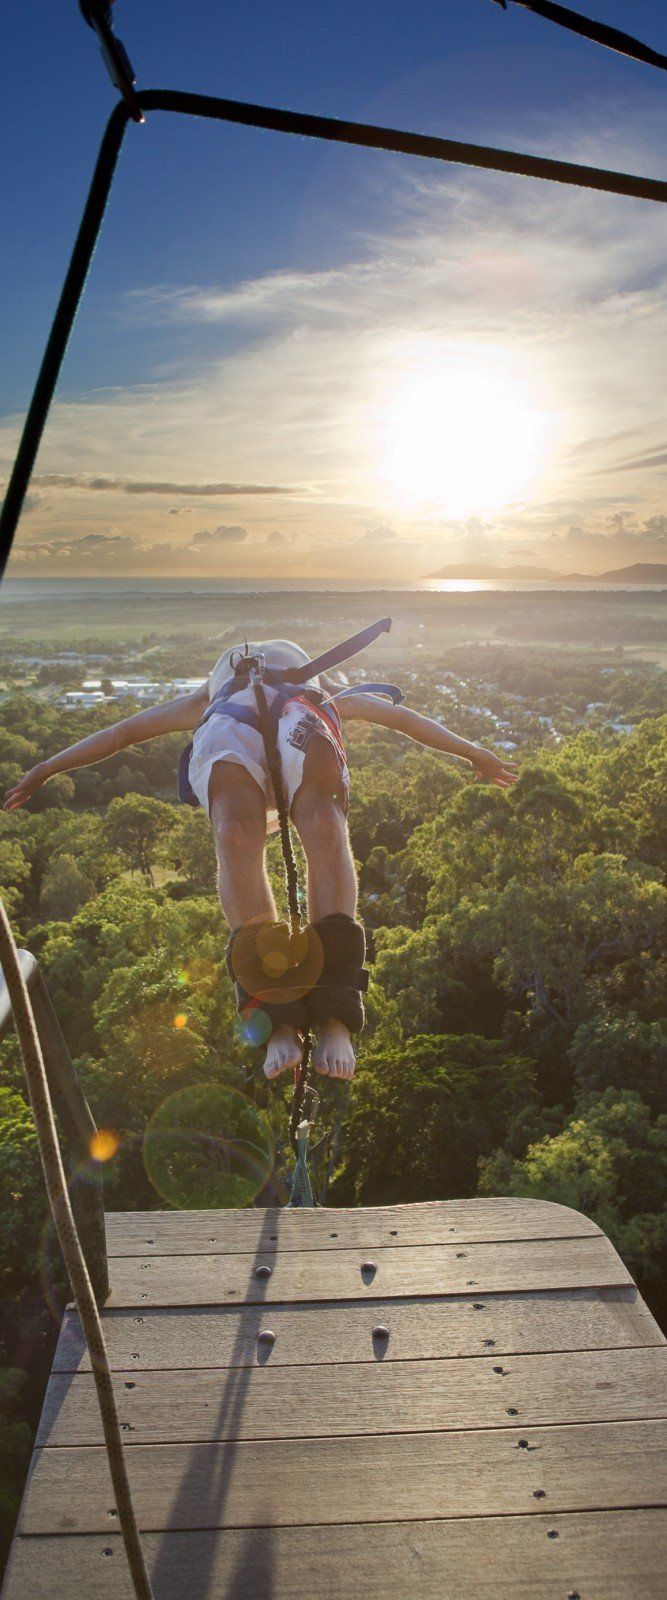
[135, 826]
[421, 1114]
[610, 1162]
[189, 848]
[64, 890]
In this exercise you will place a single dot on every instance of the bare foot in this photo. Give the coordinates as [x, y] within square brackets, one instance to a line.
[333, 1054]
[284, 1050]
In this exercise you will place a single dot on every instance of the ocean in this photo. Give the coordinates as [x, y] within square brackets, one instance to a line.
[41, 590]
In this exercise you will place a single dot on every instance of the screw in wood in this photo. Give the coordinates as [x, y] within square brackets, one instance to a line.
[267, 1336]
[368, 1266]
[539, 1494]
[552, 1533]
[263, 1272]
[380, 1332]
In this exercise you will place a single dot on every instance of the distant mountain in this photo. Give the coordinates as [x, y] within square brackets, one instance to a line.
[640, 572]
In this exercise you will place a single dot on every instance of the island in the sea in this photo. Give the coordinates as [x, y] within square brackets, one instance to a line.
[639, 572]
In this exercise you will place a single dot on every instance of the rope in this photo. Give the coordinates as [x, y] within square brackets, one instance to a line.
[329, 128]
[587, 28]
[59, 1200]
[267, 726]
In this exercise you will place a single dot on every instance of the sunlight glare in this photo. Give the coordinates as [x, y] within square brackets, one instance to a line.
[459, 427]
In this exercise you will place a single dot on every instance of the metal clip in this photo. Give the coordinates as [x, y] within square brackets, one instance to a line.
[97, 13]
[257, 669]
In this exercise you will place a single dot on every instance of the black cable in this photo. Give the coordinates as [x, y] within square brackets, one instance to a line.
[429, 146]
[61, 328]
[302, 124]
[273, 762]
[587, 28]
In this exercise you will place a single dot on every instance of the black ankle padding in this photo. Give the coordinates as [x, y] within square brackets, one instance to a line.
[343, 980]
[278, 994]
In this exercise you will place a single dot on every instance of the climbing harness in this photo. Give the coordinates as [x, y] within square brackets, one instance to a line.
[587, 28]
[295, 958]
[365, 135]
[289, 684]
[61, 1210]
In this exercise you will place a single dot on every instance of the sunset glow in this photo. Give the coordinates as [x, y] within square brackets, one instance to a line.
[460, 429]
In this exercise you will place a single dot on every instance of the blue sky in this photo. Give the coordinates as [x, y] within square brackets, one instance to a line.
[429, 363]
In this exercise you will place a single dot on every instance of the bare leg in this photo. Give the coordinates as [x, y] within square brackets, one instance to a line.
[332, 880]
[238, 817]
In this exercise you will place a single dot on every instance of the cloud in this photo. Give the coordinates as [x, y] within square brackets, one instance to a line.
[81, 480]
[218, 536]
[382, 534]
[648, 461]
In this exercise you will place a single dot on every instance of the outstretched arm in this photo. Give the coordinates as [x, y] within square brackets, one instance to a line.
[175, 716]
[425, 730]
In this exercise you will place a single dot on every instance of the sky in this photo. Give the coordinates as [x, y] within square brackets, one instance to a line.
[293, 359]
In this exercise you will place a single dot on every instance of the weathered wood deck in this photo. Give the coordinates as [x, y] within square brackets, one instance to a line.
[505, 1437]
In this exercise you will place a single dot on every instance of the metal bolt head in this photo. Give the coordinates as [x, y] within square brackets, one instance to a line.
[368, 1266]
[380, 1332]
[267, 1336]
[263, 1272]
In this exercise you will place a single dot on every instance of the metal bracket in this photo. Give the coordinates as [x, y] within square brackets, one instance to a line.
[97, 13]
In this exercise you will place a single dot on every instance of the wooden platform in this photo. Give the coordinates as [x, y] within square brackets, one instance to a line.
[504, 1437]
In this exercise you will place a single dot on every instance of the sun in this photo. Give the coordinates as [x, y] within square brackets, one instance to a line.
[458, 429]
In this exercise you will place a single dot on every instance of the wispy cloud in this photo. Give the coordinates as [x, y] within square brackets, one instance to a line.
[562, 291]
[218, 536]
[82, 480]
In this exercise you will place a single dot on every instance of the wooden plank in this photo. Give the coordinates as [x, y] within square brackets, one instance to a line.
[341, 1275]
[618, 1555]
[400, 1397]
[379, 1479]
[147, 1233]
[568, 1319]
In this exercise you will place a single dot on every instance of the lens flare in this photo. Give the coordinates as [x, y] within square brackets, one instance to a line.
[207, 1147]
[272, 963]
[253, 1028]
[104, 1144]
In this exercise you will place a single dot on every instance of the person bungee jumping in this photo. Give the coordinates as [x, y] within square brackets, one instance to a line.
[242, 763]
